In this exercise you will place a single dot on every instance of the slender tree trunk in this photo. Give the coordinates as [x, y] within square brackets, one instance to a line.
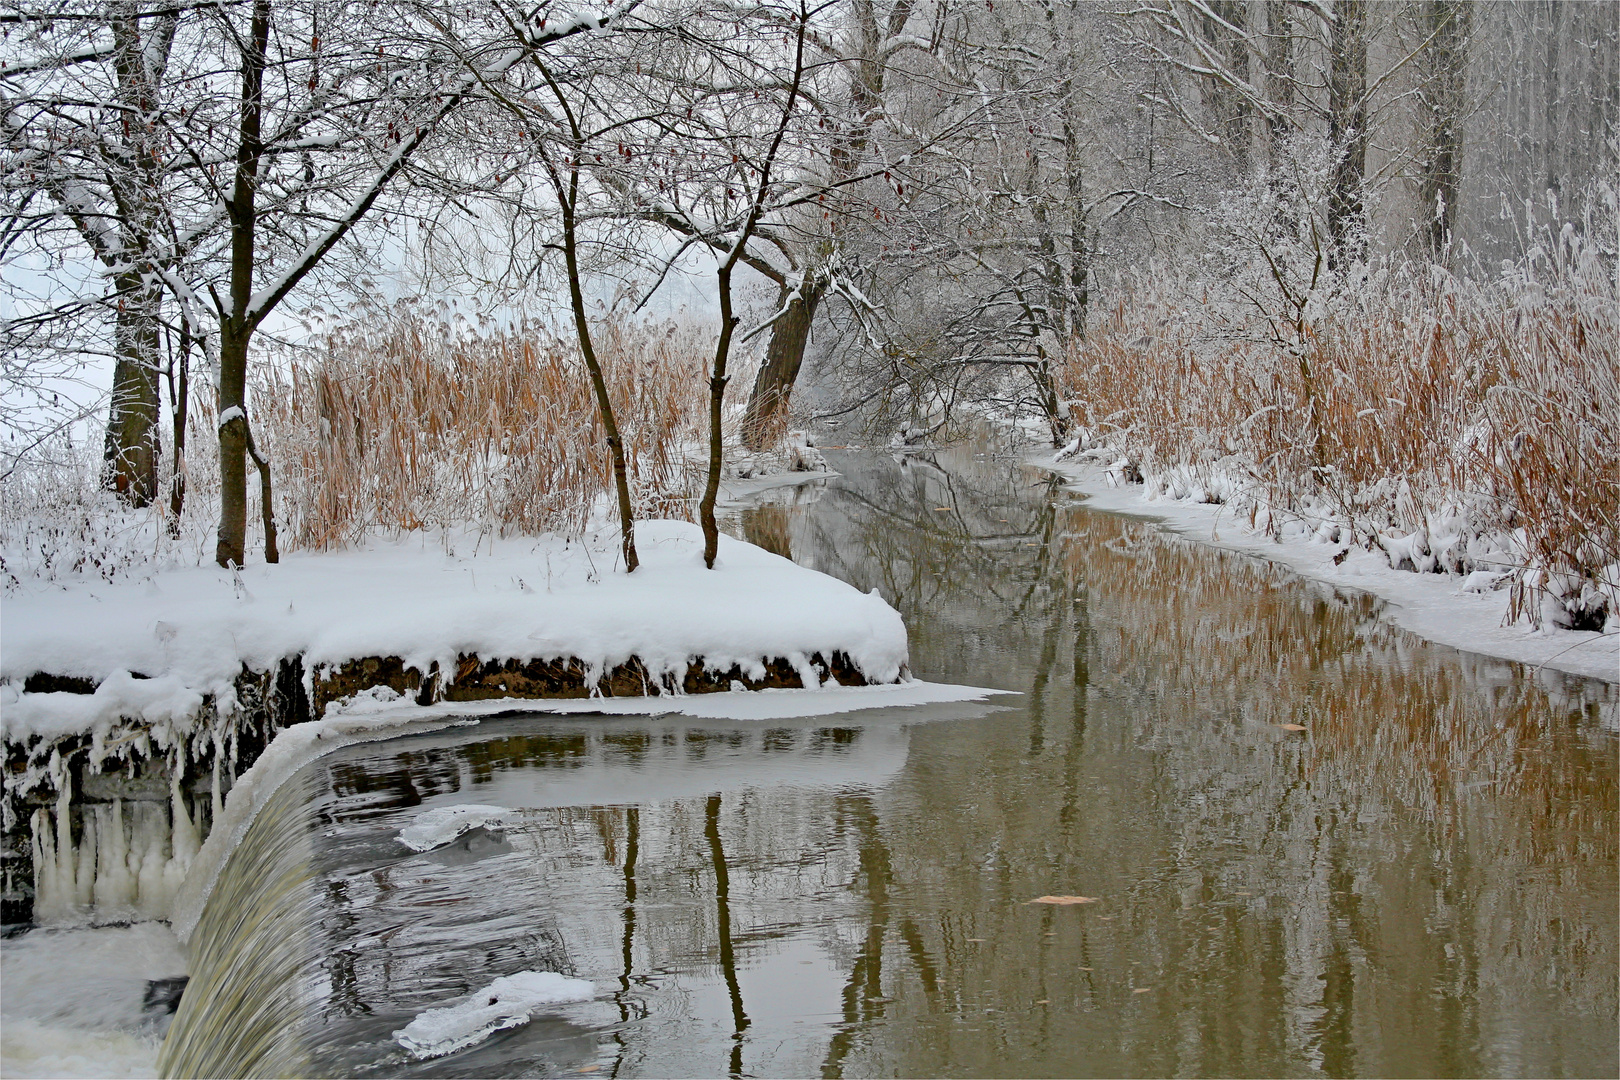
[236, 328]
[604, 403]
[1279, 79]
[766, 417]
[179, 405]
[1347, 128]
[717, 397]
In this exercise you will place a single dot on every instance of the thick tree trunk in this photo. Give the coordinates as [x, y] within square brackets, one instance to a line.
[133, 444]
[765, 420]
[232, 447]
[1445, 98]
[1347, 128]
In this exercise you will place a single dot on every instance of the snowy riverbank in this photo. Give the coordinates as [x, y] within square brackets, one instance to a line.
[1464, 613]
[153, 647]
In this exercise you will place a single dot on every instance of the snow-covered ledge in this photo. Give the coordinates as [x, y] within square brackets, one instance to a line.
[163, 690]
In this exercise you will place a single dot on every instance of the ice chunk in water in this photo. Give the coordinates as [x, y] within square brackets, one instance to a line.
[443, 824]
[504, 1003]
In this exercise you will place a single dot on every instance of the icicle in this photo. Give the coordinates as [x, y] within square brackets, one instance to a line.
[66, 887]
[183, 845]
[84, 876]
[115, 882]
[218, 804]
[151, 838]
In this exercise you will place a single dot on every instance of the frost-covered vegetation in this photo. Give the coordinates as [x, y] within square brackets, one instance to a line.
[1461, 426]
[395, 423]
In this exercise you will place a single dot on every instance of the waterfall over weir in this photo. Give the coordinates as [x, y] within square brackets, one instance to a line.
[326, 933]
[243, 1012]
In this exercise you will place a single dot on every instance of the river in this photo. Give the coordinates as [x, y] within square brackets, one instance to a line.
[1307, 843]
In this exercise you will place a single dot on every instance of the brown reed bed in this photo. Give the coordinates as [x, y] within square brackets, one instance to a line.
[408, 424]
[1461, 426]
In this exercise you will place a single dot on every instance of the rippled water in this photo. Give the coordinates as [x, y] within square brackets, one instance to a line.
[1415, 876]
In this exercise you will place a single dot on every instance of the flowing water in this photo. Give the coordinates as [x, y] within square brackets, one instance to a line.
[1312, 845]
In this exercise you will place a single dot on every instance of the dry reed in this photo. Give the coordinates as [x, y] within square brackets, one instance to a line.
[1458, 426]
[411, 425]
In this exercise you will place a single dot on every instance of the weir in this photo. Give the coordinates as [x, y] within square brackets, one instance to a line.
[103, 825]
[245, 1008]
[324, 933]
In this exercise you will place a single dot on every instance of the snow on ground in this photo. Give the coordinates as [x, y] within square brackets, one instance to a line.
[504, 1003]
[1464, 613]
[190, 630]
[73, 1000]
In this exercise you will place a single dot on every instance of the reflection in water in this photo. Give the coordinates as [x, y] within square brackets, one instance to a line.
[1416, 876]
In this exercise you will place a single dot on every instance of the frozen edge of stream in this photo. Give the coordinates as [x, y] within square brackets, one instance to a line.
[1432, 606]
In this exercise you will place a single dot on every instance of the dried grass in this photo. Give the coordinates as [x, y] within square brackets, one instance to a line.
[393, 423]
[1458, 426]
[410, 425]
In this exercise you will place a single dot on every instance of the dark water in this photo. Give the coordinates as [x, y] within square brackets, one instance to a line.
[1422, 881]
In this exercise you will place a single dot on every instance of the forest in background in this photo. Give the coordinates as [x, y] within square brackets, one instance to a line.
[1345, 264]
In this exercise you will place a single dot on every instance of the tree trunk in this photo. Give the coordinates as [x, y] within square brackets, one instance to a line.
[717, 397]
[133, 444]
[236, 328]
[1445, 100]
[1347, 128]
[179, 405]
[232, 447]
[765, 420]
[1279, 80]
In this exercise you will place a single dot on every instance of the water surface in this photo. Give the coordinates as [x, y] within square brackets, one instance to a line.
[1314, 844]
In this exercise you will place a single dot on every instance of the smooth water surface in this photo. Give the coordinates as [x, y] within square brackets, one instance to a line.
[1315, 845]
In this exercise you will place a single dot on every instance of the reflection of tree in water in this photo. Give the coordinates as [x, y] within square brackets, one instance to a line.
[1309, 895]
[1421, 881]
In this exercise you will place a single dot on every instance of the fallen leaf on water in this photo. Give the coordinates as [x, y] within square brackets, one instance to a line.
[1292, 727]
[1063, 900]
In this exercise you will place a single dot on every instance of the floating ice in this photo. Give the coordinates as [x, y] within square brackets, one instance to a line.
[504, 1003]
[442, 824]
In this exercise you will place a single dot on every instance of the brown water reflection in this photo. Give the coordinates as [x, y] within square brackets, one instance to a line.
[1422, 881]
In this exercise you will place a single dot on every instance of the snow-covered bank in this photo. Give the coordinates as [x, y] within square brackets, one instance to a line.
[153, 647]
[1463, 612]
[159, 690]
